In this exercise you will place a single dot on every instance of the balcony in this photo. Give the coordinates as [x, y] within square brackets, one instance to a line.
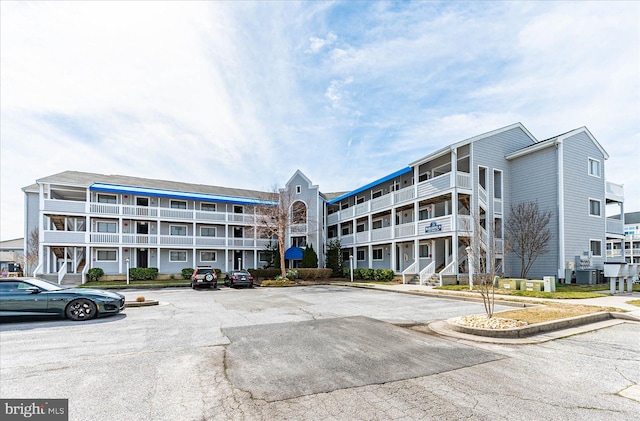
[432, 187]
[614, 192]
[64, 237]
[615, 226]
[144, 212]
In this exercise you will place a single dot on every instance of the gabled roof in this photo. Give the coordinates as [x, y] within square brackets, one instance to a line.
[446, 149]
[554, 140]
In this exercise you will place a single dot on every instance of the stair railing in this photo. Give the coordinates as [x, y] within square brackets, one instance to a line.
[427, 272]
[410, 269]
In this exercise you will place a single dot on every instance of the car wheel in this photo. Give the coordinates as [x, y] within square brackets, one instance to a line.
[81, 309]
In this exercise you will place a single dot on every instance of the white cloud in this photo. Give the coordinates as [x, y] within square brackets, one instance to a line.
[316, 43]
[187, 91]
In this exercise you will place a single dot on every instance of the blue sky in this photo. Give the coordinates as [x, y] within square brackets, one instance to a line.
[242, 94]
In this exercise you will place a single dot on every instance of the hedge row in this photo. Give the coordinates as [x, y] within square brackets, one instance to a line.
[143, 274]
[303, 273]
[369, 274]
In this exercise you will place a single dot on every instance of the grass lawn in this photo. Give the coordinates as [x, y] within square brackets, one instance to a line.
[549, 312]
[137, 284]
[634, 303]
[562, 291]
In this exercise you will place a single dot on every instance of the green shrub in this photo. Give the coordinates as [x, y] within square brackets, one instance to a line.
[264, 273]
[383, 275]
[367, 274]
[186, 273]
[292, 274]
[95, 274]
[277, 283]
[309, 257]
[314, 273]
[143, 274]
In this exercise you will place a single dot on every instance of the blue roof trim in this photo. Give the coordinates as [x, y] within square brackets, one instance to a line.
[368, 186]
[115, 188]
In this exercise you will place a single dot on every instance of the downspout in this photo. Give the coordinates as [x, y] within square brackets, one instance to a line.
[561, 256]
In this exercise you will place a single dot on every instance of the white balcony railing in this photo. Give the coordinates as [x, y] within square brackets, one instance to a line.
[381, 234]
[64, 237]
[64, 206]
[405, 230]
[615, 226]
[361, 208]
[346, 240]
[139, 239]
[497, 205]
[404, 195]
[298, 229]
[104, 238]
[380, 202]
[362, 237]
[333, 218]
[614, 191]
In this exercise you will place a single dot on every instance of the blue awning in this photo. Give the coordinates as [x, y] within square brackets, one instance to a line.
[293, 253]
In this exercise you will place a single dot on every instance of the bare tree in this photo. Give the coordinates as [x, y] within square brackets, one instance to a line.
[276, 215]
[528, 234]
[32, 252]
[483, 247]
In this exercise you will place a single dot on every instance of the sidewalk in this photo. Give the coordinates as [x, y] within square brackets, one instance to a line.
[573, 327]
[617, 300]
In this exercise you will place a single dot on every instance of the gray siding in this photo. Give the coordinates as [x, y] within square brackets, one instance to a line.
[533, 177]
[579, 186]
[490, 152]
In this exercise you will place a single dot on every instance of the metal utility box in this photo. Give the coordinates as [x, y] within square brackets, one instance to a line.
[549, 283]
[507, 284]
[586, 276]
[532, 286]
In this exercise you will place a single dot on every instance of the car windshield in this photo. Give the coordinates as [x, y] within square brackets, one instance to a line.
[42, 284]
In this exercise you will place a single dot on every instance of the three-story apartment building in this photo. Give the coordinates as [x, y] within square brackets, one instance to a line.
[414, 221]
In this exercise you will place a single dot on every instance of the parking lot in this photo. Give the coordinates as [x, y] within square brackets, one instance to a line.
[319, 352]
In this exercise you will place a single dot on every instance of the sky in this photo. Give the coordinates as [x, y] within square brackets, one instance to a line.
[242, 94]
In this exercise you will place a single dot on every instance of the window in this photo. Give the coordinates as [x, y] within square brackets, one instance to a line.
[178, 204]
[359, 200]
[238, 209]
[377, 254]
[107, 227]
[298, 189]
[177, 256]
[376, 224]
[107, 198]
[361, 255]
[360, 228]
[497, 184]
[376, 194]
[596, 247]
[299, 242]
[207, 231]
[209, 207]
[424, 176]
[594, 167]
[208, 256]
[264, 256]
[106, 256]
[178, 230]
[423, 214]
[594, 207]
[346, 255]
[346, 230]
[424, 250]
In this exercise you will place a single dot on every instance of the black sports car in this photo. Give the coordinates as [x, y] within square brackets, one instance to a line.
[37, 297]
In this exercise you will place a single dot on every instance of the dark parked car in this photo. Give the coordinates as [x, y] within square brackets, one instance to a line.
[239, 278]
[37, 297]
[204, 276]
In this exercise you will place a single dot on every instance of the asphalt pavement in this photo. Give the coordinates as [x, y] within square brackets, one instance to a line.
[321, 352]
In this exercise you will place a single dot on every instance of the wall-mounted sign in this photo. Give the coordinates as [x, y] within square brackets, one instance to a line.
[433, 227]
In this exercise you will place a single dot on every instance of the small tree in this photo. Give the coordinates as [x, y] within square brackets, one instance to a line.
[482, 251]
[309, 257]
[275, 216]
[33, 250]
[334, 257]
[528, 234]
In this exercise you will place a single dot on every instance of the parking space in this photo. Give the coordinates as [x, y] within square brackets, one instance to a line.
[309, 353]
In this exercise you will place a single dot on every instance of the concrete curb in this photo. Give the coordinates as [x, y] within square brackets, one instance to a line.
[147, 303]
[533, 329]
